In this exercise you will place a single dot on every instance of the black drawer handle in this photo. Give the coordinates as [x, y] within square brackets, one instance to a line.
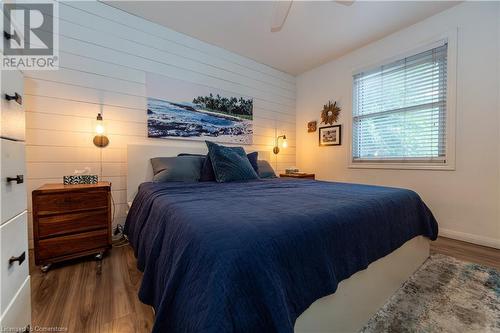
[16, 97]
[13, 36]
[19, 179]
[21, 258]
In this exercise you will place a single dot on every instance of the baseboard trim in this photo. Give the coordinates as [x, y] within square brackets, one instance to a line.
[471, 238]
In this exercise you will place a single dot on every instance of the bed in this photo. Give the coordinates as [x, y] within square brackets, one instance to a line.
[277, 255]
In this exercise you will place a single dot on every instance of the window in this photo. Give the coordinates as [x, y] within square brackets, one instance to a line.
[400, 111]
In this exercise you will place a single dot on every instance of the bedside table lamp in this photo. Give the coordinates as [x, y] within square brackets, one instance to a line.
[284, 144]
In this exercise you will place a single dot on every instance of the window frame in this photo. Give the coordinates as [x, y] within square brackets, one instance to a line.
[451, 38]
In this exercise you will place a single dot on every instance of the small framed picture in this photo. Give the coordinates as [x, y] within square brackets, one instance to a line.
[311, 126]
[330, 136]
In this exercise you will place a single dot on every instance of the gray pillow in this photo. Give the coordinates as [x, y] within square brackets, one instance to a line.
[230, 163]
[265, 169]
[176, 169]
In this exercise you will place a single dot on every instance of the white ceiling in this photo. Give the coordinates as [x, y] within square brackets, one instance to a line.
[314, 33]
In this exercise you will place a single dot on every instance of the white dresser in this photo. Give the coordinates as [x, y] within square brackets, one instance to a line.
[15, 296]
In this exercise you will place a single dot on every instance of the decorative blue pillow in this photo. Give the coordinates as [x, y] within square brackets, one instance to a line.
[230, 163]
[265, 169]
[207, 170]
[177, 169]
[252, 157]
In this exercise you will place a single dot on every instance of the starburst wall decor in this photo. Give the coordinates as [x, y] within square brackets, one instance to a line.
[330, 113]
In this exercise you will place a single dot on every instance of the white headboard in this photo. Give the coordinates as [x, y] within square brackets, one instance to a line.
[139, 165]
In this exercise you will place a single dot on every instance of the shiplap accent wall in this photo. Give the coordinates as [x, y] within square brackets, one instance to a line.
[105, 54]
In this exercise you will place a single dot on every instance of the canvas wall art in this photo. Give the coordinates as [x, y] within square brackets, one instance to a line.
[184, 110]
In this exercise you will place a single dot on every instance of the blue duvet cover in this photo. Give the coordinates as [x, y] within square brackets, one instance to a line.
[252, 256]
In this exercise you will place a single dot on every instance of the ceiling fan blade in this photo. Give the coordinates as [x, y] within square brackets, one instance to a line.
[345, 2]
[280, 13]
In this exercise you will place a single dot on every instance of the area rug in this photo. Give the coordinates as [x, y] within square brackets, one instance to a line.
[444, 295]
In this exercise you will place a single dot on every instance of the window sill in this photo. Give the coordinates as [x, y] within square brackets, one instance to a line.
[401, 166]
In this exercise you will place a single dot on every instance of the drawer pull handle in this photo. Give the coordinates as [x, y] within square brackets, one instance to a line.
[19, 179]
[21, 259]
[16, 97]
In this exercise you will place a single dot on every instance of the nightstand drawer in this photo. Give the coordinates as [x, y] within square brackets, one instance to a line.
[56, 225]
[70, 202]
[72, 244]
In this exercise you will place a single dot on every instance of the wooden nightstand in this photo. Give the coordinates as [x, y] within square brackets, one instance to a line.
[298, 175]
[71, 221]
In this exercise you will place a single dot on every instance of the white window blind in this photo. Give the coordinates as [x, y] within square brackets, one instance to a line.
[399, 110]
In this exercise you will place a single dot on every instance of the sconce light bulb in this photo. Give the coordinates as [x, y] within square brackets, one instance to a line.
[100, 140]
[285, 143]
[99, 129]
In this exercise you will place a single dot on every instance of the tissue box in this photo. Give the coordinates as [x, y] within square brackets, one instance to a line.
[80, 179]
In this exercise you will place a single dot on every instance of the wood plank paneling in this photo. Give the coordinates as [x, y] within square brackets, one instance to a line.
[121, 24]
[86, 91]
[105, 55]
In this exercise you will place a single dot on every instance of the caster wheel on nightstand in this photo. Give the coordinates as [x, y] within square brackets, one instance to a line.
[99, 256]
[45, 268]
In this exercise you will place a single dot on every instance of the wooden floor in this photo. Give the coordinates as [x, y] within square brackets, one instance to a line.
[467, 252]
[92, 296]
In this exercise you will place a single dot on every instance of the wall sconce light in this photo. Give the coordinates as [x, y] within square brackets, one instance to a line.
[276, 148]
[100, 140]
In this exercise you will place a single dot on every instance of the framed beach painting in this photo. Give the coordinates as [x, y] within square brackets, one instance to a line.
[185, 110]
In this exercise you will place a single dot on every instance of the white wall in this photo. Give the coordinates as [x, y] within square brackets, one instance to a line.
[465, 201]
[105, 54]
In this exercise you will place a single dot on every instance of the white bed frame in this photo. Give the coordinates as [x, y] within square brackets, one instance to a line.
[356, 299]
